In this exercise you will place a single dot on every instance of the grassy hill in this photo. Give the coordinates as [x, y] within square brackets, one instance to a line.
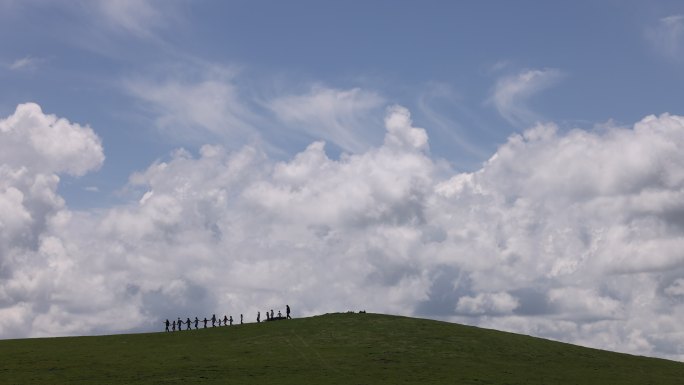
[328, 349]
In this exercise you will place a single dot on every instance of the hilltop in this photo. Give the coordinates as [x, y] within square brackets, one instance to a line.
[340, 348]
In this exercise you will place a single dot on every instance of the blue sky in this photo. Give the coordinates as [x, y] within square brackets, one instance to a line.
[504, 164]
[442, 60]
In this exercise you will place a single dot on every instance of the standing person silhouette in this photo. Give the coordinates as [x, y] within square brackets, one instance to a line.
[173, 326]
[213, 320]
[231, 320]
[225, 320]
[188, 323]
[240, 319]
[205, 322]
[258, 317]
[167, 323]
[180, 324]
[271, 313]
[196, 322]
[287, 310]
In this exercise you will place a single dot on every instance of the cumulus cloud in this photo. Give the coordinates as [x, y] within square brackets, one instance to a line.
[511, 94]
[572, 235]
[47, 144]
[34, 149]
[487, 303]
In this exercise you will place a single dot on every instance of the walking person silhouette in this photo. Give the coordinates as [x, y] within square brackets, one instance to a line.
[240, 319]
[167, 323]
[196, 322]
[231, 320]
[213, 320]
[287, 310]
[173, 326]
[188, 323]
[205, 322]
[258, 317]
[180, 324]
[225, 320]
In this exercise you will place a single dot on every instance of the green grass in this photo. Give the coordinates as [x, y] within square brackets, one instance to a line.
[329, 349]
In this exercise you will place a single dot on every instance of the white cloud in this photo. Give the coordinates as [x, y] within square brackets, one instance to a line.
[136, 17]
[34, 148]
[197, 108]
[487, 303]
[568, 235]
[25, 63]
[47, 144]
[511, 94]
[337, 116]
[667, 36]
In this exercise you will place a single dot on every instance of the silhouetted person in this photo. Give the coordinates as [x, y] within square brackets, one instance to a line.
[196, 322]
[213, 320]
[271, 313]
[287, 310]
[180, 324]
[188, 322]
[231, 320]
[225, 320]
[258, 317]
[205, 322]
[279, 315]
[173, 326]
[167, 323]
[240, 319]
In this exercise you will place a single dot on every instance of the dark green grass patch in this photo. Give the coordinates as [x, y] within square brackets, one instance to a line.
[330, 349]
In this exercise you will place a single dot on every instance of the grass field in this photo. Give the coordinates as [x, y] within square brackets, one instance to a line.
[330, 349]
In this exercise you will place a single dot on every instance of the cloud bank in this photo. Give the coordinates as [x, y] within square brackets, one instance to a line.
[572, 235]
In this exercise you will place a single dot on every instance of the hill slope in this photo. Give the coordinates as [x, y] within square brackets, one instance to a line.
[328, 349]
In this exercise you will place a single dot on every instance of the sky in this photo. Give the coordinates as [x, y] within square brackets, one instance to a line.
[509, 165]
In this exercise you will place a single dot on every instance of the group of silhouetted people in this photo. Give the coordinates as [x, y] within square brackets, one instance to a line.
[172, 326]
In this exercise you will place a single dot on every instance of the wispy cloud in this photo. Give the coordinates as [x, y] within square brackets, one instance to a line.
[196, 103]
[338, 116]
[445, 126]
[137, 17]
[25, 63]
[667, 36]
[511, 94]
